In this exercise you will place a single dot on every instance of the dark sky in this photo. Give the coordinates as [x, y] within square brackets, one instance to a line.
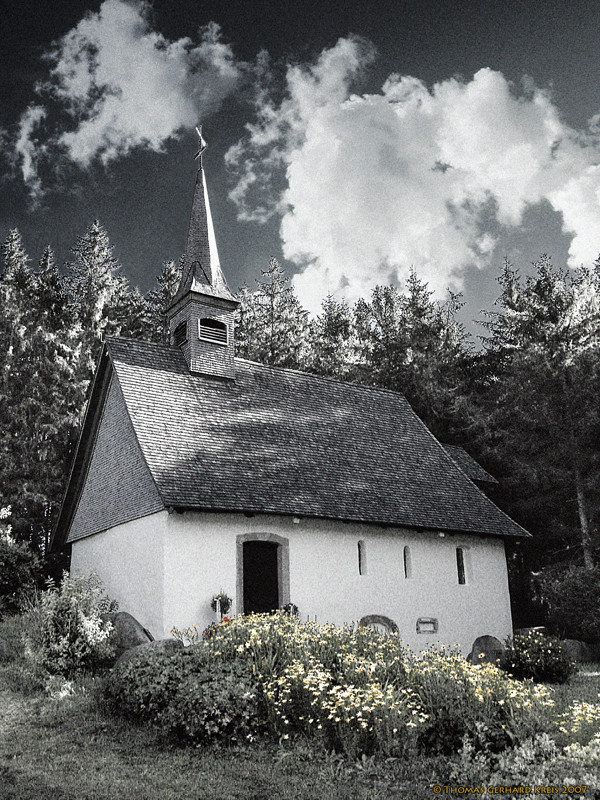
[431, 174]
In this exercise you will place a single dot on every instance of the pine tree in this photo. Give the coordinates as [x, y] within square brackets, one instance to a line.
[415, 345]
[40, 406]
[271, 326]
[99, 295]
[333, 341]
[159, 299]
[542, 384]
[15, 288]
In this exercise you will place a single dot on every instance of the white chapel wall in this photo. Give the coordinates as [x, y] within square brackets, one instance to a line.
[200, 561]
[324, 580]
[129, 559]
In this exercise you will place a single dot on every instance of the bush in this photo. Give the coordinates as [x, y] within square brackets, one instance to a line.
[540, 657]
[69, 627]
[353, 719]
[480, 701]
[189, 694]
[357, 692]
[578, 722]
[274, 641]
[364, 693]
[572, 601]
[535, 762]
[19, 568]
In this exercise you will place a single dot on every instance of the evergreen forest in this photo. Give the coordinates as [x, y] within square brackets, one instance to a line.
[522, 399]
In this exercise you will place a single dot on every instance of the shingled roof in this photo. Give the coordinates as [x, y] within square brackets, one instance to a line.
[469, 466]
[279, 441]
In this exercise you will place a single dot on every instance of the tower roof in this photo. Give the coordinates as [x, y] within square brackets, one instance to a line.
[201, 271]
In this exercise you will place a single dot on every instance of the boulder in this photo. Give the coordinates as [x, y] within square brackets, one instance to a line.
[487, 650]
[128, 632]
[154, 645]
[4, 649]
[578, 650]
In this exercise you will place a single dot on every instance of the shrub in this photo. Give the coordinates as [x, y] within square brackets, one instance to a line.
[481, 701]
[69, 627]
[535, 762]
[273, 641]
[355, 720]
[579, 721]
[540, 657]
[189, 694]
[363, 692]
[572, 600]
[357, 692]
[19, 568]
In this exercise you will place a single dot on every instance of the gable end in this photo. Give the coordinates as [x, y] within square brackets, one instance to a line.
[117, 486]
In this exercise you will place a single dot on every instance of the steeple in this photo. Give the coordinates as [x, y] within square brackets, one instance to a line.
[202, 268]
[201, 315]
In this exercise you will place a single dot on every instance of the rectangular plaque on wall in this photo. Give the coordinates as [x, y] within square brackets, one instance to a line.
[427, 625]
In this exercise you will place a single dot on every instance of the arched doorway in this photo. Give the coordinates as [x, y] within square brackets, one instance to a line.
[261, 582]
[263, 572]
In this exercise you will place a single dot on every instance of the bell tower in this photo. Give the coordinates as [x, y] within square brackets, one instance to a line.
[201, 315]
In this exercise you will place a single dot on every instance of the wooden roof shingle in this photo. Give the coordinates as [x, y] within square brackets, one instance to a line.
[469, 466]
[278, 441]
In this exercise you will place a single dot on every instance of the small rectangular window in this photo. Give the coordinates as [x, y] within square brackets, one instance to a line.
[460, 565]
[407, 563]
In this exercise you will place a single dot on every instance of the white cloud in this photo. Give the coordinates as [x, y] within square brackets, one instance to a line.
[410, 177]
[116, 85]
[27, 153]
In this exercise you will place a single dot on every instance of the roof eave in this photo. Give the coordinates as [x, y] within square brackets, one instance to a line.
[521, 533]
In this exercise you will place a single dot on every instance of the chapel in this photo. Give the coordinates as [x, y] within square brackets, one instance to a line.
[198, 472]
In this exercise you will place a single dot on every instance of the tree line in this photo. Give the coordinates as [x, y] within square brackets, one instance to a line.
[524, 402]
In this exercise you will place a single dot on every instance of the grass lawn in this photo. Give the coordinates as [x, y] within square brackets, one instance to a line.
[583, 686]
[69, 750]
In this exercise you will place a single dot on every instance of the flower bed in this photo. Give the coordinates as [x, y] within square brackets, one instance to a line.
[356, 691]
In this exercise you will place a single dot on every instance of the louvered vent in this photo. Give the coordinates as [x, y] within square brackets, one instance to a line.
[180, 334]
[212, 330]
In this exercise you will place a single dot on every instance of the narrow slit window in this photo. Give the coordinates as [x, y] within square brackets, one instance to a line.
[362, 558]
[180, 334]
[460, 565]
[212, 330]
[407, 562]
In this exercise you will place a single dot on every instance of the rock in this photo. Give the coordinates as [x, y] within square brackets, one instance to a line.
[155, 645]
[128, 632]
[578, 650]
[487, 650]
[4, 649]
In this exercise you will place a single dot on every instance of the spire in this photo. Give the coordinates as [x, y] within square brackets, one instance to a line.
[201, 268]
[202, 313]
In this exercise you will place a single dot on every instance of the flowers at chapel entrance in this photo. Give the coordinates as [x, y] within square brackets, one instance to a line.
[221, 603]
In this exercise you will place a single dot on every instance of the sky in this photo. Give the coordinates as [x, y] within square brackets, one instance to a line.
[353, 141]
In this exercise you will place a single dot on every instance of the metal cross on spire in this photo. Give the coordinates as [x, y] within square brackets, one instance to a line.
[201, 145]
